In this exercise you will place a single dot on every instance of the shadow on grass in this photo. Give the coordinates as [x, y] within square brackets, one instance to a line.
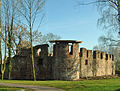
[118, 90]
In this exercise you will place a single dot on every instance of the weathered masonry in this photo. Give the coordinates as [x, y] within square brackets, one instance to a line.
[66, 63]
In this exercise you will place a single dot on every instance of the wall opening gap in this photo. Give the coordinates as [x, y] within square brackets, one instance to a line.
[87, 54]
[38, 52]
[70, 49]
[86, 62]
[101, 56]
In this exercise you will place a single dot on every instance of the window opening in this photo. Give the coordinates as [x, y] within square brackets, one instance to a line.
[38, 52]
[101, 56]
[71, 49]
[86, 62]
[87, 54]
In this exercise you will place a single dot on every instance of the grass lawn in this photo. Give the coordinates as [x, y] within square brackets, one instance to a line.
[86, 85]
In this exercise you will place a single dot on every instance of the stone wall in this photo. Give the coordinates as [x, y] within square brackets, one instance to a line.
[22, 64]
[86, 63]
[70, 64]
[96, 63]
[67, 62]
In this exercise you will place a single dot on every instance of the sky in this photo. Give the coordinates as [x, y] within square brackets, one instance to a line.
[72, 22]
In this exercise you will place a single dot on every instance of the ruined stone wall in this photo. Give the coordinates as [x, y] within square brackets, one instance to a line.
[22, 64]
[66, 63]
[104, 63]
[99, 60]
[59, 64]
[96, 63]
[86, 63]
[18, 67]
[72, 65]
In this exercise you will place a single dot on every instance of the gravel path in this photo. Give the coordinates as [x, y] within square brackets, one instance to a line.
[34, 88]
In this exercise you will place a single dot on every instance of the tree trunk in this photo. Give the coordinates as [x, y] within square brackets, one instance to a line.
[32, 54]
[2, 75]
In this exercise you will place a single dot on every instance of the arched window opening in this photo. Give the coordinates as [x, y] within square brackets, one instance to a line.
[38, 52]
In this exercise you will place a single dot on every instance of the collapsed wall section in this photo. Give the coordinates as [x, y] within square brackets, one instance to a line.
[96, 63]
[22, 64]
[42, 62]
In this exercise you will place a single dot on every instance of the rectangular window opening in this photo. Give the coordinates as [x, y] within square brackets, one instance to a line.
[71, 49]
[101, 56]
[106, 56]
[86, 62]
[87, 54]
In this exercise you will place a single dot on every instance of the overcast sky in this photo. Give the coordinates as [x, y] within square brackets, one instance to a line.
[72, 22]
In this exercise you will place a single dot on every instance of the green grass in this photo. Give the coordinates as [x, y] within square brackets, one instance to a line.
[86, 85]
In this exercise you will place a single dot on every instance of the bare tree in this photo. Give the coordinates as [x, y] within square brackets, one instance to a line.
[8, 16]
[20, 37]
[109, 11]
[3, 61]
[9, 21]
[16, 32]
[30, 10]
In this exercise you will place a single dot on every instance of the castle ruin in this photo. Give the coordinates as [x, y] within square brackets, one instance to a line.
[66, 63]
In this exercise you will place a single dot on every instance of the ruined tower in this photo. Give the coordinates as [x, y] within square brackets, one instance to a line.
[66, 60]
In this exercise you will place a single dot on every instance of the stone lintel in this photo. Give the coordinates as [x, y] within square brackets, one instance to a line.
[65, 41]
